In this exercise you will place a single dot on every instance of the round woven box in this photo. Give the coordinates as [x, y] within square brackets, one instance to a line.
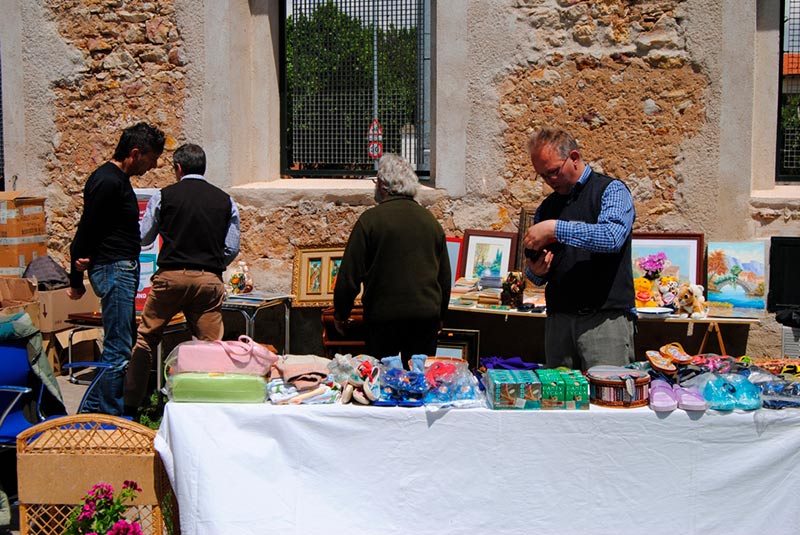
[614, 386]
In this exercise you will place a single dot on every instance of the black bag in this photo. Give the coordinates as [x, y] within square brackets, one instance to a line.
[48, 274]
[789, 317]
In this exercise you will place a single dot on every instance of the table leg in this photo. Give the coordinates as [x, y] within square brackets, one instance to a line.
[72, 378]
[713, 327]
[286, 318]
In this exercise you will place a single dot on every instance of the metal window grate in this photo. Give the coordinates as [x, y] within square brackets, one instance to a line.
[788, 160]
[346, 63]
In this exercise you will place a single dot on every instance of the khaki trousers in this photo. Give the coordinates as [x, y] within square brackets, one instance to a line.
[198, 294]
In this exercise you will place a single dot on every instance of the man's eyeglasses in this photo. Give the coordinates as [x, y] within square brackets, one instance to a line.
[553, 174]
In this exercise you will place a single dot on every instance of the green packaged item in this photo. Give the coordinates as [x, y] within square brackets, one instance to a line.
[513, 389]
[552, 389]
[576, 390]
[216, 388]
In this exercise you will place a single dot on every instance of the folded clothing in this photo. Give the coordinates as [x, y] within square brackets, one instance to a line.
[512, 363]
[280, 393]
[302, 371]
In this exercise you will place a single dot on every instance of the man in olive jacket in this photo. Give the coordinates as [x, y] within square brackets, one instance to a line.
[398, 251]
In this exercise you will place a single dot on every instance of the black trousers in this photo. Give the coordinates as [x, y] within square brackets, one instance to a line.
[405, 337]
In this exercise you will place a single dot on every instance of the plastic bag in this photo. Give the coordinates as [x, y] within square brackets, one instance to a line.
[727, 391]
[451, 384]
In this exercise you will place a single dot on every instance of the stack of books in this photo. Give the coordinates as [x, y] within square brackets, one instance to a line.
[489, 296]
[463, 285]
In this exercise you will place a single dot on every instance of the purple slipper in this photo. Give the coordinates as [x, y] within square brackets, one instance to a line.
[690, 399]
[662, 396]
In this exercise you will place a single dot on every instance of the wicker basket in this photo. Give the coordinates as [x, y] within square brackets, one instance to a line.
[611, 386]
[59, 460]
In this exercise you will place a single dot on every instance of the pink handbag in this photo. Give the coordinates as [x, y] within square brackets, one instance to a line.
[243, 356]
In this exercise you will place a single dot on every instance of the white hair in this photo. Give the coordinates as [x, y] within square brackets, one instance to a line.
[397, 175]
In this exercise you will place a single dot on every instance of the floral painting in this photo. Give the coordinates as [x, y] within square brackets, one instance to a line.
[736, 274]
[677, 255]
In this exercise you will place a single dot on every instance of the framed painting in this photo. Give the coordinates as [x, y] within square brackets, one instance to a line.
[736, 275]
[461, 344]
[678, 254]
[487, 253]
[454, 254]
[314, 275]
[525, 221]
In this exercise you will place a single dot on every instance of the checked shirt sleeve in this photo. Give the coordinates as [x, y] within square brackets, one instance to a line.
[613, 225]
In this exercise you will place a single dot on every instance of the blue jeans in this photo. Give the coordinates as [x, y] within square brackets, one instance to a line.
[116, 285]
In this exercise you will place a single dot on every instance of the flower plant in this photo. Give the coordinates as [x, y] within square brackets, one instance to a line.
[652, 265]
[101, 512]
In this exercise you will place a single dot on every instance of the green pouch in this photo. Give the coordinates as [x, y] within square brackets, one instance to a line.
[216, 388]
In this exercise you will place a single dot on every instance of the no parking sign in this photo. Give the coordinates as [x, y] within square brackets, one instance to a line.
[375, 140]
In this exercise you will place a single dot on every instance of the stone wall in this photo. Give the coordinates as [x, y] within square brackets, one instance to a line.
[131, 70]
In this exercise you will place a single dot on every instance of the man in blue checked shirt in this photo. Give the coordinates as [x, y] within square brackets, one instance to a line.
[580, 246]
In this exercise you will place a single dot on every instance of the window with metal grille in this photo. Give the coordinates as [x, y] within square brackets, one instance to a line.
[788, 160]
[356, 83]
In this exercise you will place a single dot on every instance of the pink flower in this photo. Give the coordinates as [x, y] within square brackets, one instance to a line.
[128, 484]
[101, 512]
[122, 527]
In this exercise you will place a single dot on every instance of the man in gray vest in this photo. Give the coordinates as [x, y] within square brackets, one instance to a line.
[580, 246]
[199, 225]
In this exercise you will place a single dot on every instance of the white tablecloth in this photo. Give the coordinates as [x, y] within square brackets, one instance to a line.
[242, 469]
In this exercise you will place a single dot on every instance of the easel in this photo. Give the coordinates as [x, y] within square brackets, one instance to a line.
[713, 326]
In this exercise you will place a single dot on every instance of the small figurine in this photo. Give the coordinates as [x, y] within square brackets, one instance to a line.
[241, 281]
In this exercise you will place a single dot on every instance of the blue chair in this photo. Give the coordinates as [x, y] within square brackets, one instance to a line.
[15, 394]
[19, 403]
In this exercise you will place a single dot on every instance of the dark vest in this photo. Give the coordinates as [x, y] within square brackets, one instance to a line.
[581, 281]
[193, 222]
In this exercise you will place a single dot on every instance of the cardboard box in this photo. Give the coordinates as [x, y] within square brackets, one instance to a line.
[23, 233]
[19, 295]
[55, 306]
[552, 389]
[86, 347]
[576, 390]
[513, 389]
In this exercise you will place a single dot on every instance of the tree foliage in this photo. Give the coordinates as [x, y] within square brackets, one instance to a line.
[329, 75]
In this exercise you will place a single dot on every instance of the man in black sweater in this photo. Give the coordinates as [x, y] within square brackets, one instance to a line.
[107, 244]
[398, 250]
[199, 225]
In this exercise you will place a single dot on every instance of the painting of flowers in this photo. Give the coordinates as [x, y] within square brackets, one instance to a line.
[677, 255]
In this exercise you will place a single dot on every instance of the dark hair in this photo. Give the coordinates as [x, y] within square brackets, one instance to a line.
[140, 136]
[191, 158]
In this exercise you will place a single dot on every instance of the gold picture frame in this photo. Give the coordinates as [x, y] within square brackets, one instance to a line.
[314, 274]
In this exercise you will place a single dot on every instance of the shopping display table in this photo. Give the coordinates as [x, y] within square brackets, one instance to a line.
[713, 324]
[256, 469]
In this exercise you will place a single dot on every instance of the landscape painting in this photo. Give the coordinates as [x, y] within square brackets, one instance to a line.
[736, 276]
